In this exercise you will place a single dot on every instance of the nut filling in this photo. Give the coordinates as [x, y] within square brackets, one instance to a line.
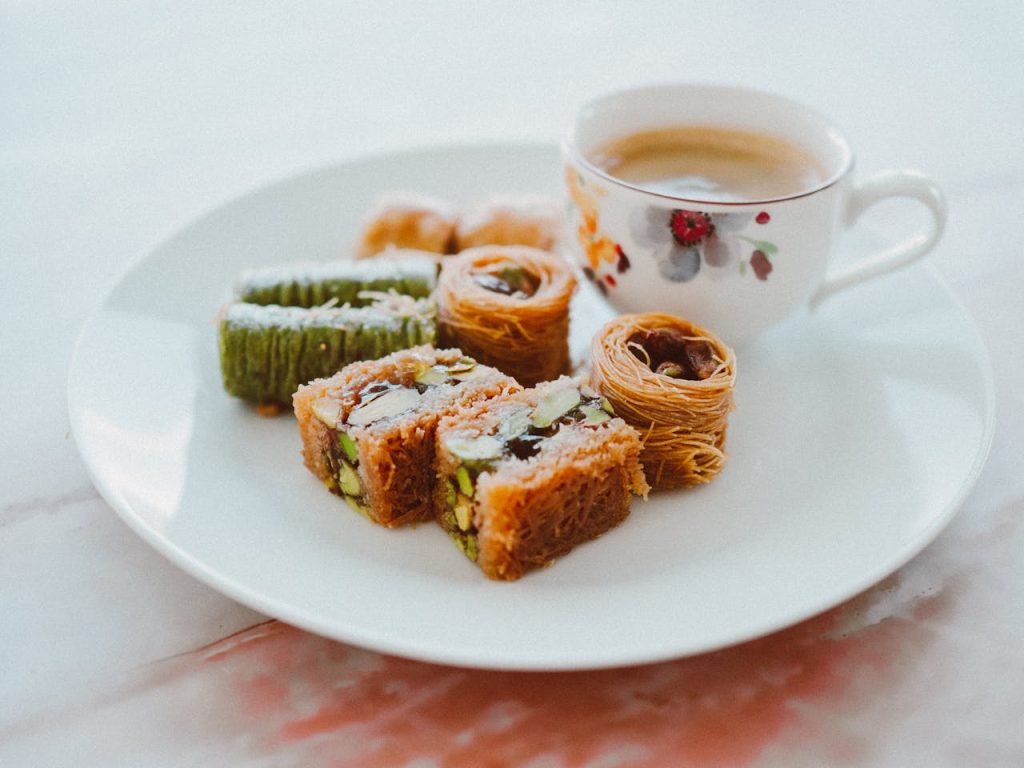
[509, 281]
[669, 352]
[342, 457]
[519, 436]
[378, 401]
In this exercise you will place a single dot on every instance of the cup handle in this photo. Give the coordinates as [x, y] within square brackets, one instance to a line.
[885, 184]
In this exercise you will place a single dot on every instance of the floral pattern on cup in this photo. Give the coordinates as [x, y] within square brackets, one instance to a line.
[605, 257]
[681, 241]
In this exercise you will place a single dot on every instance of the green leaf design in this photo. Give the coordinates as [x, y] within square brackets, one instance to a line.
[743, 267]
[762, 245]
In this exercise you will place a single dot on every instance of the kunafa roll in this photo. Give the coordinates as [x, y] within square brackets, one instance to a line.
[368, 431]
[673, 381]
[508, 306]
[526, 477]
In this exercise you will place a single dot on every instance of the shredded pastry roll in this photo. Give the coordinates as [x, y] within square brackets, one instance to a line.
[673, 382]
[508, 306]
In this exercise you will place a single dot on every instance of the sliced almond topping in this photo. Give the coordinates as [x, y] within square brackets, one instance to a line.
[391, 403]
[327, 411]
[474, 449]
[432, 375]
[515, 424]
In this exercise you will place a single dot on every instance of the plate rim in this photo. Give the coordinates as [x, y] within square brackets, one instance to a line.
[508, 661]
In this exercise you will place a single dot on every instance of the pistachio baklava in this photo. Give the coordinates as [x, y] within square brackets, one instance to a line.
[525, 477]
[368, 431]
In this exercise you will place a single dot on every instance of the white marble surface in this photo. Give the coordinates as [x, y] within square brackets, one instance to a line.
[120, 123]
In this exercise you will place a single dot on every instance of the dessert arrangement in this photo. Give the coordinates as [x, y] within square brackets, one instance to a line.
[430, 379]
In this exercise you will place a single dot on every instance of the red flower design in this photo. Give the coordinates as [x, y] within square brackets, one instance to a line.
[690, 227]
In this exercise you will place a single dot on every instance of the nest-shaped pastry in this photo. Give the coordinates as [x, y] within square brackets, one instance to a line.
[508, 307]
[673, 382]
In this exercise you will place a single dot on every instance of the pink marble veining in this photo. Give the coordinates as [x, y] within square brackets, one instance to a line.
[718, 709]
[808, 695]
[337, 705]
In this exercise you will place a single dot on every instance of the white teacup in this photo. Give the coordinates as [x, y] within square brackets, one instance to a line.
[732, 264]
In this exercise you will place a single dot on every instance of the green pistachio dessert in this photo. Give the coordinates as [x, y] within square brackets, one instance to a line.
[345, 282]
[266, 352]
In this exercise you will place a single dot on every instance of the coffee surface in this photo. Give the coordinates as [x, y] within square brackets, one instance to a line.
[710, 163]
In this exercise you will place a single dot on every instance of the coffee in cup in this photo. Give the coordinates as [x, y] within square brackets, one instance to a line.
[723, 205]
[709, 163]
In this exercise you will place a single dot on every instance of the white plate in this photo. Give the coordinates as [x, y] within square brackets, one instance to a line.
[855, 439]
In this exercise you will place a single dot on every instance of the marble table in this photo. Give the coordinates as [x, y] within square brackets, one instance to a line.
[119, 125]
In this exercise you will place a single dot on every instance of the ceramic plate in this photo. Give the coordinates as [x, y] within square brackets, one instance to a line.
[856, 435]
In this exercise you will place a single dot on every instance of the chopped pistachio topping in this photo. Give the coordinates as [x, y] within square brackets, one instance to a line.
[466, 542]
[449, 493]
[357, 506]
[435, 375]
[349, 480]
[672, 370]
[554, 405]
[593, 415]
[523, 431]
[463, 512]
[327, 411]
[348, 445]
[390, 403]
[464, 480]
[511, 281]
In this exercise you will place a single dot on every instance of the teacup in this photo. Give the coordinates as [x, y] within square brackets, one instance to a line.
[723, 205]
